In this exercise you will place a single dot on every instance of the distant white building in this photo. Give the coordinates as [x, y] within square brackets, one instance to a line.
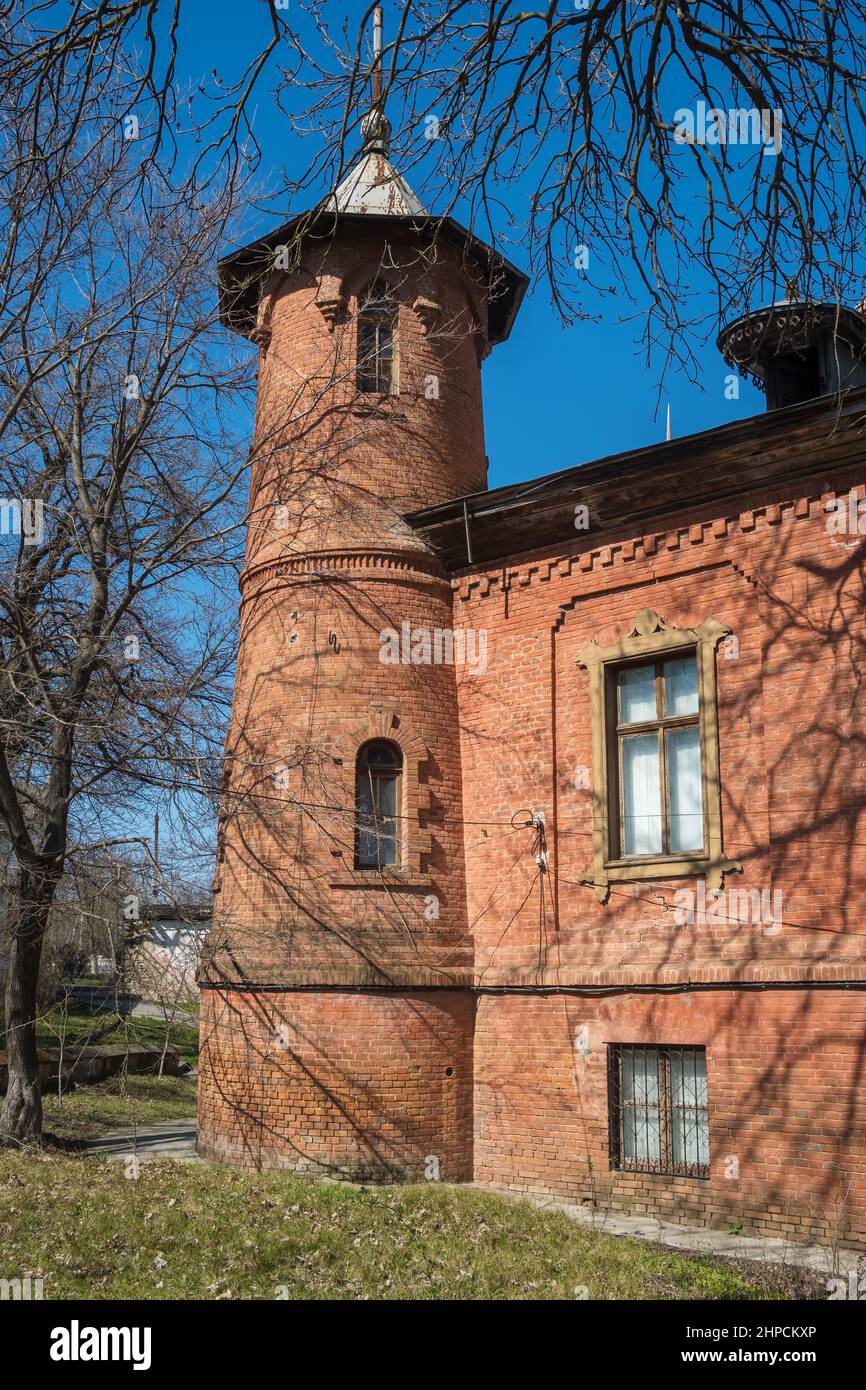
[163, 961]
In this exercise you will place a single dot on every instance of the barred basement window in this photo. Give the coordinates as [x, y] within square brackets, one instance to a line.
[377, 323]
[658, 1110]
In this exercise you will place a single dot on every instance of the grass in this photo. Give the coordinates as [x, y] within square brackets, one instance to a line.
[118, 1103]
[209, 1232]
[76, 1027]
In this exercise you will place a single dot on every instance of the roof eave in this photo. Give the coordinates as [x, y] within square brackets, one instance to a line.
[240, 317]
[542, 496]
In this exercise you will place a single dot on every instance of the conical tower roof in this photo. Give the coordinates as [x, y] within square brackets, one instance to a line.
[374, 186]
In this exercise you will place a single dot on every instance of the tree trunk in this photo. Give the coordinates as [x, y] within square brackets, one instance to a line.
[21, 1119]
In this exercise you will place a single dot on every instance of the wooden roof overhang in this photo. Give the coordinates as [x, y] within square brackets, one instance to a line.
[643, 485]
[242, 272]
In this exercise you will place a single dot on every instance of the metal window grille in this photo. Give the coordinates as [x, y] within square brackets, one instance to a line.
[658, 1110]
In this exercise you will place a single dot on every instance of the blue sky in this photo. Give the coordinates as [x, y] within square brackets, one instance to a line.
[555, 395]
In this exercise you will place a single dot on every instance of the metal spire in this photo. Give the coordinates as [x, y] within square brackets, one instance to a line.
[373, 186]
[378, 26]
[375, 127]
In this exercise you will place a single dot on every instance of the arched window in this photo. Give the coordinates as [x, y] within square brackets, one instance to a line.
[377, 326]
[378, 769]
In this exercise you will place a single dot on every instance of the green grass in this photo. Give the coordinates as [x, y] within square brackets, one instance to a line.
[76, 1027]
[118, 1103]
[208, 1232]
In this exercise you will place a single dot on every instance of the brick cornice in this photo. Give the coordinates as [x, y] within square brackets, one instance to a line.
[611, 554]
[373, 564]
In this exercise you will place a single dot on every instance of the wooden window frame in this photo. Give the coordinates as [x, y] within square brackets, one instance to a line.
[375, 776]
[375, 317]
[617, 733]
[416, 839]
[649, 638]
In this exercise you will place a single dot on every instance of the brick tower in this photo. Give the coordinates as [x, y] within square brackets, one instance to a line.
[337, 1014]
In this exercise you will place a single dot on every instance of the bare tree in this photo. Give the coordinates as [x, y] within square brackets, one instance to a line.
[631, 147]
[121, 419]
[627, 147]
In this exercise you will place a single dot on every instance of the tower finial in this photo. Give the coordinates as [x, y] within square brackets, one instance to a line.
[375, 127]
[377, 55]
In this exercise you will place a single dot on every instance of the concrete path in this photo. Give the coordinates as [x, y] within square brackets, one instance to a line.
[145, 1009]
[168, 1139]
[695, 1239]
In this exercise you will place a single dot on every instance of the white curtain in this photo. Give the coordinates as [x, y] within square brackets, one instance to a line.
[640, 1102]
[637, 694]
[681, 687]
[689, 1138]
[641, 795]
[685, 806]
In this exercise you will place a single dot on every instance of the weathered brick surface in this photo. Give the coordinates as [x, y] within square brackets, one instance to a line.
[793, 770]
[330, 565]
[358, 1086]
[367, 1085]
[787, 1105]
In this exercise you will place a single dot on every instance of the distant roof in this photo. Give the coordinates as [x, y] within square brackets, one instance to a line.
[180, 912]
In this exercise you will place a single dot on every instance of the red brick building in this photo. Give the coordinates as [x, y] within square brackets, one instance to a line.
[541, 857]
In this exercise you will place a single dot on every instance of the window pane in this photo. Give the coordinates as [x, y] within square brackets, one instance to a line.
[365, 794]
[388, 843]
[637, 694]
[377, 842]
[367, 341]
[386, 794]
[367, 848]
[378, 799]
[641, 796]
[381, 755]
[689, 1130]
[681, 686]
[641, 1122]
[685, 806]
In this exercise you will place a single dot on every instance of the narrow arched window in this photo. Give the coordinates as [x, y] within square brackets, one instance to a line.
[378, 770]
[377, 329]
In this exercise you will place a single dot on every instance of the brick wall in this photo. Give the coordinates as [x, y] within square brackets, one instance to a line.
[791, 740]
[785, 1068]
[787, 1106]
[330, 566]
[365, 1085]
[368, 1087]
